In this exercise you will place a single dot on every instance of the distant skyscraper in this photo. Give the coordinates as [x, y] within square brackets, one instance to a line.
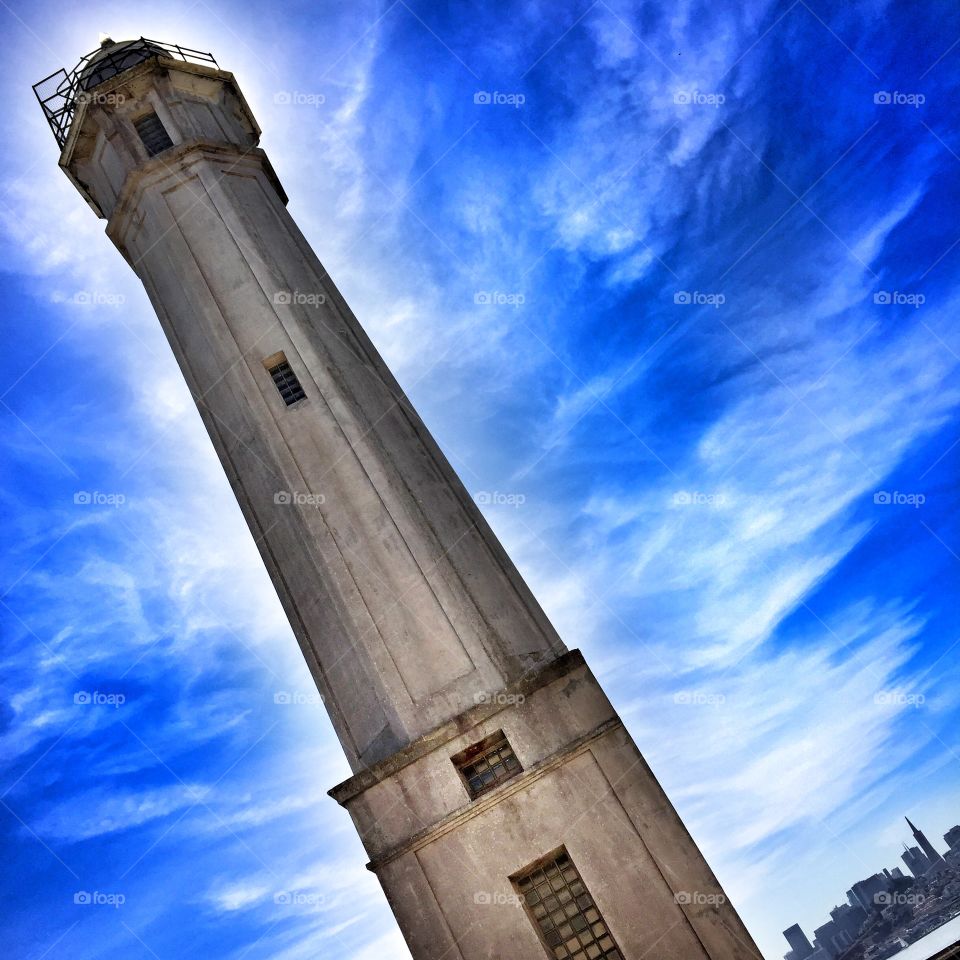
[916, 860]
[926, 846]
[865, 891]
[952, 838]
[800, 945]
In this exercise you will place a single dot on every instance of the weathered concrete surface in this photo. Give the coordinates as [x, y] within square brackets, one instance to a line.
[420, 633]
[405, 605]
[445, 861]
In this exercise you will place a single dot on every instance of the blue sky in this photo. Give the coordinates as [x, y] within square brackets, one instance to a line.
[711, 409]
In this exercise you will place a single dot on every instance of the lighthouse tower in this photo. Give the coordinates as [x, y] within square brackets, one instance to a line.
[504, 807]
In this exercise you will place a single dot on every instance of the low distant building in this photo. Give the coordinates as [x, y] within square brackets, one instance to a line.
[833, 938]
[800, 946]
[849, 918]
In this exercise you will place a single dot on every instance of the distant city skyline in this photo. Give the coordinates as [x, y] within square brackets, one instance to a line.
[868, 896]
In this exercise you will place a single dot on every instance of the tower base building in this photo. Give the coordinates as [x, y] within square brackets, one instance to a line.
[571, 851]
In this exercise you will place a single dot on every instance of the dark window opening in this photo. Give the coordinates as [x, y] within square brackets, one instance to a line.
[487, 764]
[561, 908]
[155, 138]
[285, 379]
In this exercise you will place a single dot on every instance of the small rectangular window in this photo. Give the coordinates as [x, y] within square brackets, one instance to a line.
[487, 764]
[155, 138]
[284, 378]
[561, 908]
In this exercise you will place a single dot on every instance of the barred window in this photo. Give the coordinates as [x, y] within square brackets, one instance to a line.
[562, 910]
[487, 764]
[284, 378]
[155, 138]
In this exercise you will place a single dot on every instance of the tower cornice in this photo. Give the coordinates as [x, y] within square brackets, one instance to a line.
[172, 164]
[154, 65]
[445, 732]
[184, 93]
[523, 781]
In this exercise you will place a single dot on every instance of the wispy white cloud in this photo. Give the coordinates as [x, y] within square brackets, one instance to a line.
[100, 812]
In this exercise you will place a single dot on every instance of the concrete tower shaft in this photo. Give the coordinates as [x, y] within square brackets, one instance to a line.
[407, 608]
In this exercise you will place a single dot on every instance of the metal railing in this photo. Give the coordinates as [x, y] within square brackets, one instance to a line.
[60, 93]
